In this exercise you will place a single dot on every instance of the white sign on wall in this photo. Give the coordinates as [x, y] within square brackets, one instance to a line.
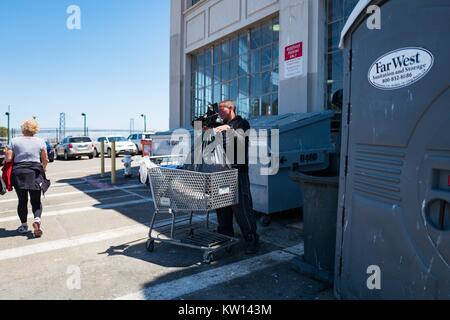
[293, 60]
[400, 68]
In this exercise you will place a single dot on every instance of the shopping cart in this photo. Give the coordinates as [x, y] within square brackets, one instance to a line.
[180, 192]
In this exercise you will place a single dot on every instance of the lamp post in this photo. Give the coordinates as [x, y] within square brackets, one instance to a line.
[8, 114]
[145, 122]
[84, 116]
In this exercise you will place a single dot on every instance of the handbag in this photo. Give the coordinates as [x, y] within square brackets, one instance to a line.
[2, 187]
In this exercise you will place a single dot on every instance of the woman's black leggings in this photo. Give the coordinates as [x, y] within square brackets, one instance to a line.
[36, 205]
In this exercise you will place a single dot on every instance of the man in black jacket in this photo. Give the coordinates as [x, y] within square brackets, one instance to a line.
[235, 131]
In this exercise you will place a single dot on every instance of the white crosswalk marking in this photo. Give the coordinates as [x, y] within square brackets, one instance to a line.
[86, 209]
[91, 191]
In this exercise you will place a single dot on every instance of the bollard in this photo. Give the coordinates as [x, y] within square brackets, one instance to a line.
[113, 162]
[102, 157]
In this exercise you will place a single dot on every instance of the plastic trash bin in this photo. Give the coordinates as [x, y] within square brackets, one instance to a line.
[320, 201]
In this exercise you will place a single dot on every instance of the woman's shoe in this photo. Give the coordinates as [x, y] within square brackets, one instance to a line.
[23, 229]
[37, 231]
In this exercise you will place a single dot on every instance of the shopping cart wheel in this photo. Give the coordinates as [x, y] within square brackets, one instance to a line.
[150, 245]
[208, 257]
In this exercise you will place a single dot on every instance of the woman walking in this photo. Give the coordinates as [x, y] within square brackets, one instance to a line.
[28, 156]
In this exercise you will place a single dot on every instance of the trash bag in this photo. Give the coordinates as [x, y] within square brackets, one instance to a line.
[145, 165]
[214, 157]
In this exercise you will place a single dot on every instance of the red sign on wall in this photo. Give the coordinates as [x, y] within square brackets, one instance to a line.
[294, 51]
[293, 60]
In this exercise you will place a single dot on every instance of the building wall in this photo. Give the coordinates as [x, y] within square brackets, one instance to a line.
[208, 21]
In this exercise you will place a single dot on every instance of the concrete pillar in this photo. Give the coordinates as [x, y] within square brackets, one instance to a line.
[176, 63]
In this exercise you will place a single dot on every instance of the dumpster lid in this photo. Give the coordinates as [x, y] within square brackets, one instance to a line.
[360, 7]
[290, 120]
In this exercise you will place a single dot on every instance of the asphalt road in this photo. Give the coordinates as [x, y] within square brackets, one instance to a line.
[93, 247]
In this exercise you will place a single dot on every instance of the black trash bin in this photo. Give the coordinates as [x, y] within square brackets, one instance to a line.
[320, 202]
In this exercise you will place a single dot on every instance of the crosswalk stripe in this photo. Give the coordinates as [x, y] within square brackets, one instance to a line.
[92, 191]
[84, 209]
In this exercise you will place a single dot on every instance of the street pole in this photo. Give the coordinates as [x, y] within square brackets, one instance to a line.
[145, 122]
[102, 158]
[8, 114]
[113, 163]
[84, 115]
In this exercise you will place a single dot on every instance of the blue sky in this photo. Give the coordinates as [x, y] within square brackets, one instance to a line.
[115, 68]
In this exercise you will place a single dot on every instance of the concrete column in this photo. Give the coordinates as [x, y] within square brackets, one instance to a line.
[303, 21]
[176, 63]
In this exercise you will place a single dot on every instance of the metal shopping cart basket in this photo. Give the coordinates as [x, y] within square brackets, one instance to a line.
[178, 192]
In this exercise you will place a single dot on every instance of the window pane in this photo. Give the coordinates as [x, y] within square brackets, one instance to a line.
[201, 78]
[225, 50]
[217, 50]
[274, 103]
[225, 91]
[193, 62]
[234, 90]
[200, 60]
[234, 47]
[207, 58]
[243, 107]
[255, 38]
[243, 65]
[254, 107]
[243, 44]
[276, 29]
[217, 73]
[266, 109]
[266, 34]
[275, 80]
[334, 35]
[255, 85]
[275, 54]
[335, 66]
[234, 67]
[255, 61]
[208, 76]
[225, 71]
[243, 86]
[335, 10]
[266, 61]
[208, 95]
[216, 93]
[266, 83]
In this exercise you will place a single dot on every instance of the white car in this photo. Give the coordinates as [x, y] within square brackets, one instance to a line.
[136, 138]
[123, 146]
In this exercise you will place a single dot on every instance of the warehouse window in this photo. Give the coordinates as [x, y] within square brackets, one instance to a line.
[193, 2]
[338, 12]
[243, 68]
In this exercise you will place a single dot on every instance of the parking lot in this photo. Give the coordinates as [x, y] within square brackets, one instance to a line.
[94, 248]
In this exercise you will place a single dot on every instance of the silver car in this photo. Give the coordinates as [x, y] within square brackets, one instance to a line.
[136, 138]
[75, 147]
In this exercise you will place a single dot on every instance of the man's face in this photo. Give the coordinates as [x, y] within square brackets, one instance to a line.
[226, 113]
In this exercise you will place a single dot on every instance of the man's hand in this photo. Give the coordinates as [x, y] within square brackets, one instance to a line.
[223, 128]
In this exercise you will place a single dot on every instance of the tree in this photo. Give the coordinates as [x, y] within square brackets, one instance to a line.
[3, 132]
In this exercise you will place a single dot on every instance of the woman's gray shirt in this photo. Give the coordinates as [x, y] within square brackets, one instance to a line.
[27, 149]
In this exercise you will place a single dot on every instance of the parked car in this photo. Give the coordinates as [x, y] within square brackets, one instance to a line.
[50, 152]
[75, 147]
[2, 153]
[123, 146]
[138, 137]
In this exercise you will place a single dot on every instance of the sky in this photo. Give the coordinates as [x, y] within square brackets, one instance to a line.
[116, 67]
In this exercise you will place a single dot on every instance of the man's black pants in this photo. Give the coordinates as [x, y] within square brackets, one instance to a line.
[242, 211]
[36, 205]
